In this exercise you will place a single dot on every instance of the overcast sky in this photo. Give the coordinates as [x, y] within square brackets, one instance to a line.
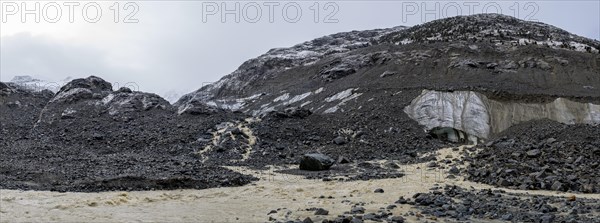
[180, 45]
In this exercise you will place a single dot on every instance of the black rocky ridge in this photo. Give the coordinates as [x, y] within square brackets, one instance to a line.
[462, 204]
[500, 56]
[88, 137]
[457, 204]
[492, 28]
[341, 95]
[541, 155]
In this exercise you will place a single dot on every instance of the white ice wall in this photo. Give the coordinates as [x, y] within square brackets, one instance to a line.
[476, 115]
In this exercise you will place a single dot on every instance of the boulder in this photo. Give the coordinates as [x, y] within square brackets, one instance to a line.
[463, 63]
[195, 107]
[340, 140]
[557, 185]
[81, 89]
[125, 90]
[316, 162]
[397, 219]
[123, 102]
[543, 65]
[321, 211]
[343, 160]
[351, 64]
[534, 153]
[93, 83]
[454, 170]
[357, 210]
[293, 112]
[73, 95]
[550, 140]
[307, 220]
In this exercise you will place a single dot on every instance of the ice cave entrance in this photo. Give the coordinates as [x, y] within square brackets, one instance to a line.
[452, 135]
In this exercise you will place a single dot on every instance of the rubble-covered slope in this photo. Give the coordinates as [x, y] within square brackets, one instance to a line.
[498, 29]
[494, 54]
[359, 81]
[227, 92]
[518, 71]
[88, 137]
[19, 109]
[541, 155]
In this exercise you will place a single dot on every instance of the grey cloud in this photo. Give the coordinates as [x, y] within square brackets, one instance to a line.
[52, 59]
[176, 51]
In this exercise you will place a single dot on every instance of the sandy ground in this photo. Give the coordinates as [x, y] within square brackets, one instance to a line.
[250, 203]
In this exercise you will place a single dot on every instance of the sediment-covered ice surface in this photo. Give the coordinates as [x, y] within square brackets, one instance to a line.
[476, 115]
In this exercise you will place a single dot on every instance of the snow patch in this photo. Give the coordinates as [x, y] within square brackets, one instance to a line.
[298, 98]
[37, 85]
[212, 104]
[353, 96]
[68, 111]
[319, 90]
[107, 99]
[147, 104]
[282, 97]
[331, 110]
[340, 95]
[405, 41]
[263, 111]
[69, 93]
[184, 108]
[233, 104]
[305, 103]
[576, 46]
